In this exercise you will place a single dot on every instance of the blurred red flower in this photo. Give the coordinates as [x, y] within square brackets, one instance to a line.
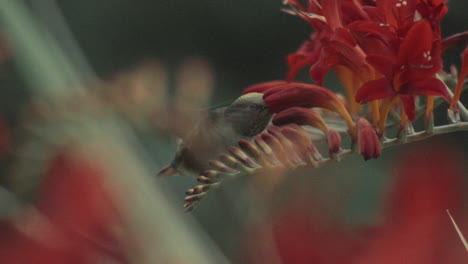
[415, 229]
[72, 221]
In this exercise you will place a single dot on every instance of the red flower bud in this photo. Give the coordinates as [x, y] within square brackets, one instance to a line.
[334, 141]
[369, 144]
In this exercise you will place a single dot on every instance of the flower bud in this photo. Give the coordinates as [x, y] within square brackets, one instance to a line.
[334, 141]
[369, 144]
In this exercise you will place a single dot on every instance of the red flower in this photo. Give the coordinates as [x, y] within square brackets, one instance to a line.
[332, 46]
[281, 96]
[378, 49]
[411, 72]
[304, 116]
[300, 116]
[307, 54]
[71, 222]
[263, 87]
[414, 228]
[397, 13]
[433, 11]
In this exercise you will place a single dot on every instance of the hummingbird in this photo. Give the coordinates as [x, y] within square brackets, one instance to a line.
[216, 131]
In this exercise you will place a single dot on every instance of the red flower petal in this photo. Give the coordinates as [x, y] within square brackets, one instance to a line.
[408, 106]
[373, 90]
[300, 116]
[352, 11]
[300, 95]
[352, 58]
[314, 7]
[344, 36]
[455, 40]
[370, 28]
[418, 40]
[428, 86]
[308, 53]
[331, 11]
[303, 144]
[374, 13]
[383, 64]
[319, 69]
[409, 75]
[375, 38]
[432, 10]
[296, 62]
[263, 87]
[305, 95]
[397, 13]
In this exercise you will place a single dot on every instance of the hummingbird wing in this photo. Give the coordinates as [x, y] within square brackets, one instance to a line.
[168, 170]
[248, 116]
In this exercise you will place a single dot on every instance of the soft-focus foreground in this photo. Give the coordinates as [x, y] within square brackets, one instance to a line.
[79, 152]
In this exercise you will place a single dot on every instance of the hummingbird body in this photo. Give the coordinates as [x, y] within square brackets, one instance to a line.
[246, 117]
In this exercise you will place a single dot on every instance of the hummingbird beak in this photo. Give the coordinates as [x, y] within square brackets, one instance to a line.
[169, 170]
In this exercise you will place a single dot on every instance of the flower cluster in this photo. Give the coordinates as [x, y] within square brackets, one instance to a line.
[384, 52]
